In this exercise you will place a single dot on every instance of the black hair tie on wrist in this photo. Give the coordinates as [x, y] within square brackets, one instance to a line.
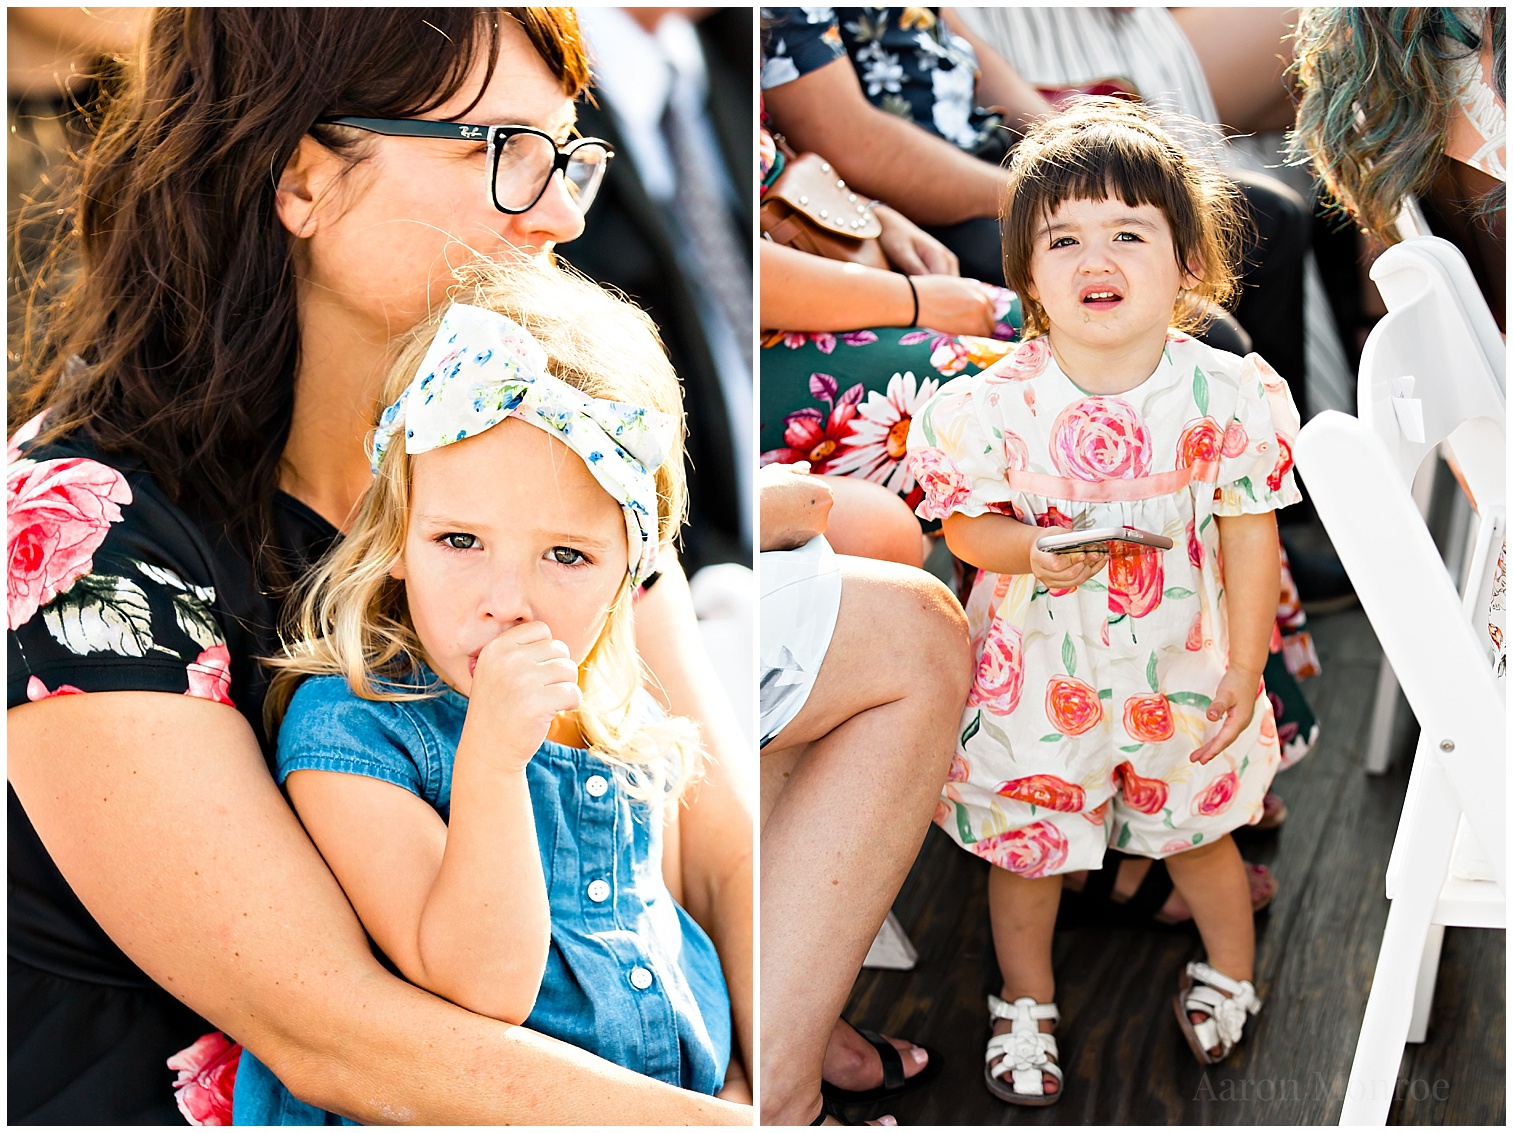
[914, 292]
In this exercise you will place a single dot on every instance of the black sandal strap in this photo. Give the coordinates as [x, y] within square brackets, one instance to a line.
[893, 1062]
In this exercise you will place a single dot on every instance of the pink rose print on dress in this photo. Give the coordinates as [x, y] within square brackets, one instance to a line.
[210, 675]
[1270, 379]
[1000, 670]
[1097, 814]
[36, 690]
[1101, 438]
[1200, 443]
[1028, 360]
[1218, 796]
[1046, 791]
[1032, 851]
[1147, 796]
[1176, 846]
[1072, 705]
[1194, 545]
[1135, 576]
[960, 770]
[1148, 718]
[1235, 440]
[58, 512]
[1016, 454]
[1282, 466]
[207, 1078]
[1195, 633]
[944, 485]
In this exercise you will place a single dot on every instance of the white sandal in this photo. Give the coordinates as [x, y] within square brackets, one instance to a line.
[1024, 1051]
[1226, 1013]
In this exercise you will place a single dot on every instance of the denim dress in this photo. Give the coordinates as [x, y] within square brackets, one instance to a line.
[630, 976]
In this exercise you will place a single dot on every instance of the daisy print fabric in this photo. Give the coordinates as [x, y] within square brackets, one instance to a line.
[1087, 702]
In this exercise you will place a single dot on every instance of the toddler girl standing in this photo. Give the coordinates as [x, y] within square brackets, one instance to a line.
[1120, 706]
[471, 749]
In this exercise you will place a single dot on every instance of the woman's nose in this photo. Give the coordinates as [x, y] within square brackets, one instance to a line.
[554, 219]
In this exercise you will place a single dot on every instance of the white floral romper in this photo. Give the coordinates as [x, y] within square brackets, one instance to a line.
[1088, 702]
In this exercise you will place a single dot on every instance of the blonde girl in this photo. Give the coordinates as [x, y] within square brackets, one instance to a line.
[1118, 697]
[460, 719]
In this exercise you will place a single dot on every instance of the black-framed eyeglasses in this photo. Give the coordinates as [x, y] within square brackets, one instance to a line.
[522, 159]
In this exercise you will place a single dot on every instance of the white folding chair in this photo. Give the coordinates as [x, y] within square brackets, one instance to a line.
[1401, 280]
[1426, 380]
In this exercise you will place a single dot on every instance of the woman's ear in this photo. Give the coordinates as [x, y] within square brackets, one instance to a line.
[303, 186]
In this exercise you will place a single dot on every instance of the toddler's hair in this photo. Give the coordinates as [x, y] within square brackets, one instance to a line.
[351, 617]
[1110, 148]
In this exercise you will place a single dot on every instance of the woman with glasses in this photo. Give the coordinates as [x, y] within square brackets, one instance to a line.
[274, 197]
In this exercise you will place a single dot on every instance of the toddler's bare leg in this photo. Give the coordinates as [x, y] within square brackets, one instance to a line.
[1023, 913]
[1211, 879]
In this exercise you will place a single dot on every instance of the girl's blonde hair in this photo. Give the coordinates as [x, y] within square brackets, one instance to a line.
[351, 617]
[1111, 148]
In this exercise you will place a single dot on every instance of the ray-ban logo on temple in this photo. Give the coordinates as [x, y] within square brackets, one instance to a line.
[522, 160]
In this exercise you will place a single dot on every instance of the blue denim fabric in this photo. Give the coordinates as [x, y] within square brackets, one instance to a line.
[676, 1028]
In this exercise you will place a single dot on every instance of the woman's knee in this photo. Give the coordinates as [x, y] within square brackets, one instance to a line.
[871, 522]
[920, 629]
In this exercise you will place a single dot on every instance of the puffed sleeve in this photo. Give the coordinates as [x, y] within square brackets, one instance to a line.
[108, 588]
[961, 444]
[1255, 468]
[329, 728]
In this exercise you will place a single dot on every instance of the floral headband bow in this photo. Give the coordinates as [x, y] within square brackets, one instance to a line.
[483, 367]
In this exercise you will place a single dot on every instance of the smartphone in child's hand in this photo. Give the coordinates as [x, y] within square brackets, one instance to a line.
[1098, 539]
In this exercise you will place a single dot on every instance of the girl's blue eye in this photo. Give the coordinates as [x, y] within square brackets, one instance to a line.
[460, 540]
[1062, 242]
[567, 556]
[1130, 235]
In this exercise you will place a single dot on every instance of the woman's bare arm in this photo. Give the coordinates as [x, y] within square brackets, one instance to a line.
[161, 814]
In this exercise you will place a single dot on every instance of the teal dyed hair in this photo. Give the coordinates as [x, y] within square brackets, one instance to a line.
[1377, 96]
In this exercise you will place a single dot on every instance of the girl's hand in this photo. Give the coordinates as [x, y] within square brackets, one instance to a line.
[910, 248]
[521, 681]
[953, 305]
[795, 505]
[1235, 702]
[1065, 572]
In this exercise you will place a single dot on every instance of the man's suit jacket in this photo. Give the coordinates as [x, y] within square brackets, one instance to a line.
[628, 243]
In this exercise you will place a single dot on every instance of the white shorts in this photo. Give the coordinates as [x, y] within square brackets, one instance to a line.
[801, 599]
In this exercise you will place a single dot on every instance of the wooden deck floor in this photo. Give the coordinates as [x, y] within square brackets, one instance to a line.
[1124, 1056]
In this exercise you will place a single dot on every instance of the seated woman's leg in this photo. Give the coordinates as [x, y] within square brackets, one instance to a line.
[848, 790]
[870, 522]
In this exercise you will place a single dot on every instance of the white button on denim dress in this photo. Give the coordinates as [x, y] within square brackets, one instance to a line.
[630, 975]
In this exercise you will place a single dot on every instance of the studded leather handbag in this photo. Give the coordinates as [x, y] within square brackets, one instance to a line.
[807, 205]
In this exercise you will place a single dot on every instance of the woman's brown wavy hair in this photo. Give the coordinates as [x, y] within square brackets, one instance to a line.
[181, 298]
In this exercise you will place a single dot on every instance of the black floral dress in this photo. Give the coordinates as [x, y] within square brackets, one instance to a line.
[111, 587]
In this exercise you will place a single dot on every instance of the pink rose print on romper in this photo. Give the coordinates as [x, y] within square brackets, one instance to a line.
[1101, 438]
[207, 1079]
[1148, 718]
[210, 675]
[1235, 440]
[1031, 851]
[1135, 576]
[1200, 443]
[1045, 791]
[1147, 796]
[1218, 796]
[1000, 670]
[1176, 846]
[57, 513]
[1028, 359]
[1072, 705]
[1195, 633]
[1016, 454]
[945, 486]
